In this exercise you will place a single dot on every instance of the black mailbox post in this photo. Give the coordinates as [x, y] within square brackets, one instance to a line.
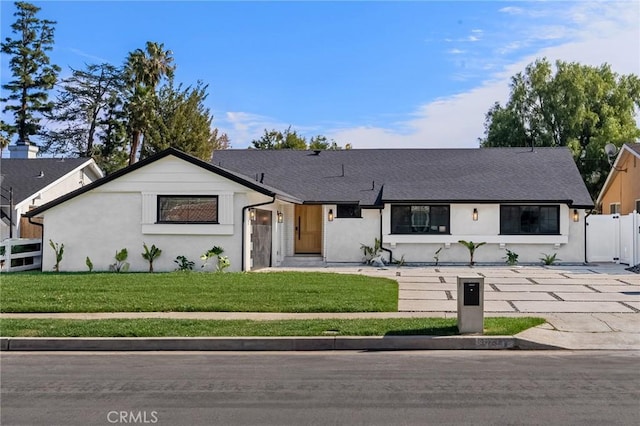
[471, 294]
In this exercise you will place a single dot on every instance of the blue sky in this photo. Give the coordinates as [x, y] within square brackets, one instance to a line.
[373, 74]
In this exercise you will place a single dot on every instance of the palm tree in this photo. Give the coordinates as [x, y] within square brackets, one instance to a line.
[144, 69]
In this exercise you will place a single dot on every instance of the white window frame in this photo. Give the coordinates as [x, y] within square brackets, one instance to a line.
[614, 208]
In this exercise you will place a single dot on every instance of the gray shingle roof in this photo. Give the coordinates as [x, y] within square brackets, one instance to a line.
[374, 176]
[28, 176]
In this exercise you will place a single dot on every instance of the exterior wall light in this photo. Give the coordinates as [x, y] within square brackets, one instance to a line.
[576, 215]
[475, 214]
[252, 215]
[280, 217]
[330, 215]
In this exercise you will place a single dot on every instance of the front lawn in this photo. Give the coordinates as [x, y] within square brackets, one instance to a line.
[196, 292]
[236, 328]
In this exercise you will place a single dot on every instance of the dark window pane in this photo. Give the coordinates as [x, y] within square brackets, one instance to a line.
[529, 217]
[419, 219]
[182, 209]
[529, 220]
[348, 211]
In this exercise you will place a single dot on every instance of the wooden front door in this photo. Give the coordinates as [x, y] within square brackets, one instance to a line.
[308, 229]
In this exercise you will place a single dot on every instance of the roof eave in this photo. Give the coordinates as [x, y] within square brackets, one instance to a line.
[89, 163]
[614, 171]
[569, 203]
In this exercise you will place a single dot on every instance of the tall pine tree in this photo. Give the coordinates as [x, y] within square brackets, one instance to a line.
[82, 108]
[33, 74]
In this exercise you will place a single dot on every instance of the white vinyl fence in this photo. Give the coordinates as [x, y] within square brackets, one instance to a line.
[20, 254]
[614, 238]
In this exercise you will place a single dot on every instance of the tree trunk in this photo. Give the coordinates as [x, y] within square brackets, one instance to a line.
[135, 141]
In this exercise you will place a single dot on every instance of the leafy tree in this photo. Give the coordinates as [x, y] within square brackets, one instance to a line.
[579, 106]
[33, 75]
[81, 109]
[183, 122]
[6, 132]
[289, 139]
[222, 141]
[321, 142]
[144, 70]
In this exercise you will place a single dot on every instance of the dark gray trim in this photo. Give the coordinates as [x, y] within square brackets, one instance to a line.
[212, 197]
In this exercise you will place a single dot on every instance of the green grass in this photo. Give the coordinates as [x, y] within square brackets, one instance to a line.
[196, 292]
[235, 328]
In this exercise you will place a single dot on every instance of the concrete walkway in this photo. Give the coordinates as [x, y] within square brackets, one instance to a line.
[586, 307]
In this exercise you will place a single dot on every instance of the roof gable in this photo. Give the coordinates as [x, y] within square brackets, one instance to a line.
[168, 152]
[626, 149]
[27, 177]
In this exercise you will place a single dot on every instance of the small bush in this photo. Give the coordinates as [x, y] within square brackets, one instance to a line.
[549, 259]
[59, 249]
[184, 264]
[121, 264]
[512, 258]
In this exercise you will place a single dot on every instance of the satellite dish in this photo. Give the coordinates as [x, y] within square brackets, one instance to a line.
[611, 150]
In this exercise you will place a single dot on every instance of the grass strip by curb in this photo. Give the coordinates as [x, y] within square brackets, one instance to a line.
[197, 292]
[494, 326]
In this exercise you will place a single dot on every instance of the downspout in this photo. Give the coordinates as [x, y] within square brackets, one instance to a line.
[41, 225]
[244, 211]
[585, 235]
[11, 208]
[384, 249]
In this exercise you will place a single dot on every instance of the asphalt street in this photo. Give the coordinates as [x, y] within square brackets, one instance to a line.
[329, 388]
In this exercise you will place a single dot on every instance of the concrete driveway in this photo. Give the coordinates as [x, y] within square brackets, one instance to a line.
[586, 307]
[527, 289]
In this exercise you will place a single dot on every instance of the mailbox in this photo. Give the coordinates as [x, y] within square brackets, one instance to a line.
[471, 294]
[471, 304]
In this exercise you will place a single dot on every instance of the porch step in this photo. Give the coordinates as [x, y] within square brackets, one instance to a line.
[300, 261]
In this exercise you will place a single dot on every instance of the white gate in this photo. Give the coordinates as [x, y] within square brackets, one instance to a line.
[20, 254]
[614, 238]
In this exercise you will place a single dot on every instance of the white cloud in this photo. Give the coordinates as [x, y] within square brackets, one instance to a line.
[512, 10]
[243, 127]
[453, 122]
[601, 33]
[88, 55]
[594, 34]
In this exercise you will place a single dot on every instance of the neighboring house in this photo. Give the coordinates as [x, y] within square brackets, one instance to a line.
[30, 182]
[621, 191]
[267, 208]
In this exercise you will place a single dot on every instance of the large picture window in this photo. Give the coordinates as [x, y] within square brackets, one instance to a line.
[419, 219]
[543, 220]
[187, 209]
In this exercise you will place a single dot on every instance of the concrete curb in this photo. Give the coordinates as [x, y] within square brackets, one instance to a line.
[331, 343]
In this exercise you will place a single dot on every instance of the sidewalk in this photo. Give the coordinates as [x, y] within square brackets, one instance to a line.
[586, 307]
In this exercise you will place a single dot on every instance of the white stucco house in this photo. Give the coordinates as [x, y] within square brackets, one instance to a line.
[28, 182]
[273, 208]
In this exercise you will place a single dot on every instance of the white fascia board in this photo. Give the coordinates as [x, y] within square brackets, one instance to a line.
[614, 171]
[89, 163]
